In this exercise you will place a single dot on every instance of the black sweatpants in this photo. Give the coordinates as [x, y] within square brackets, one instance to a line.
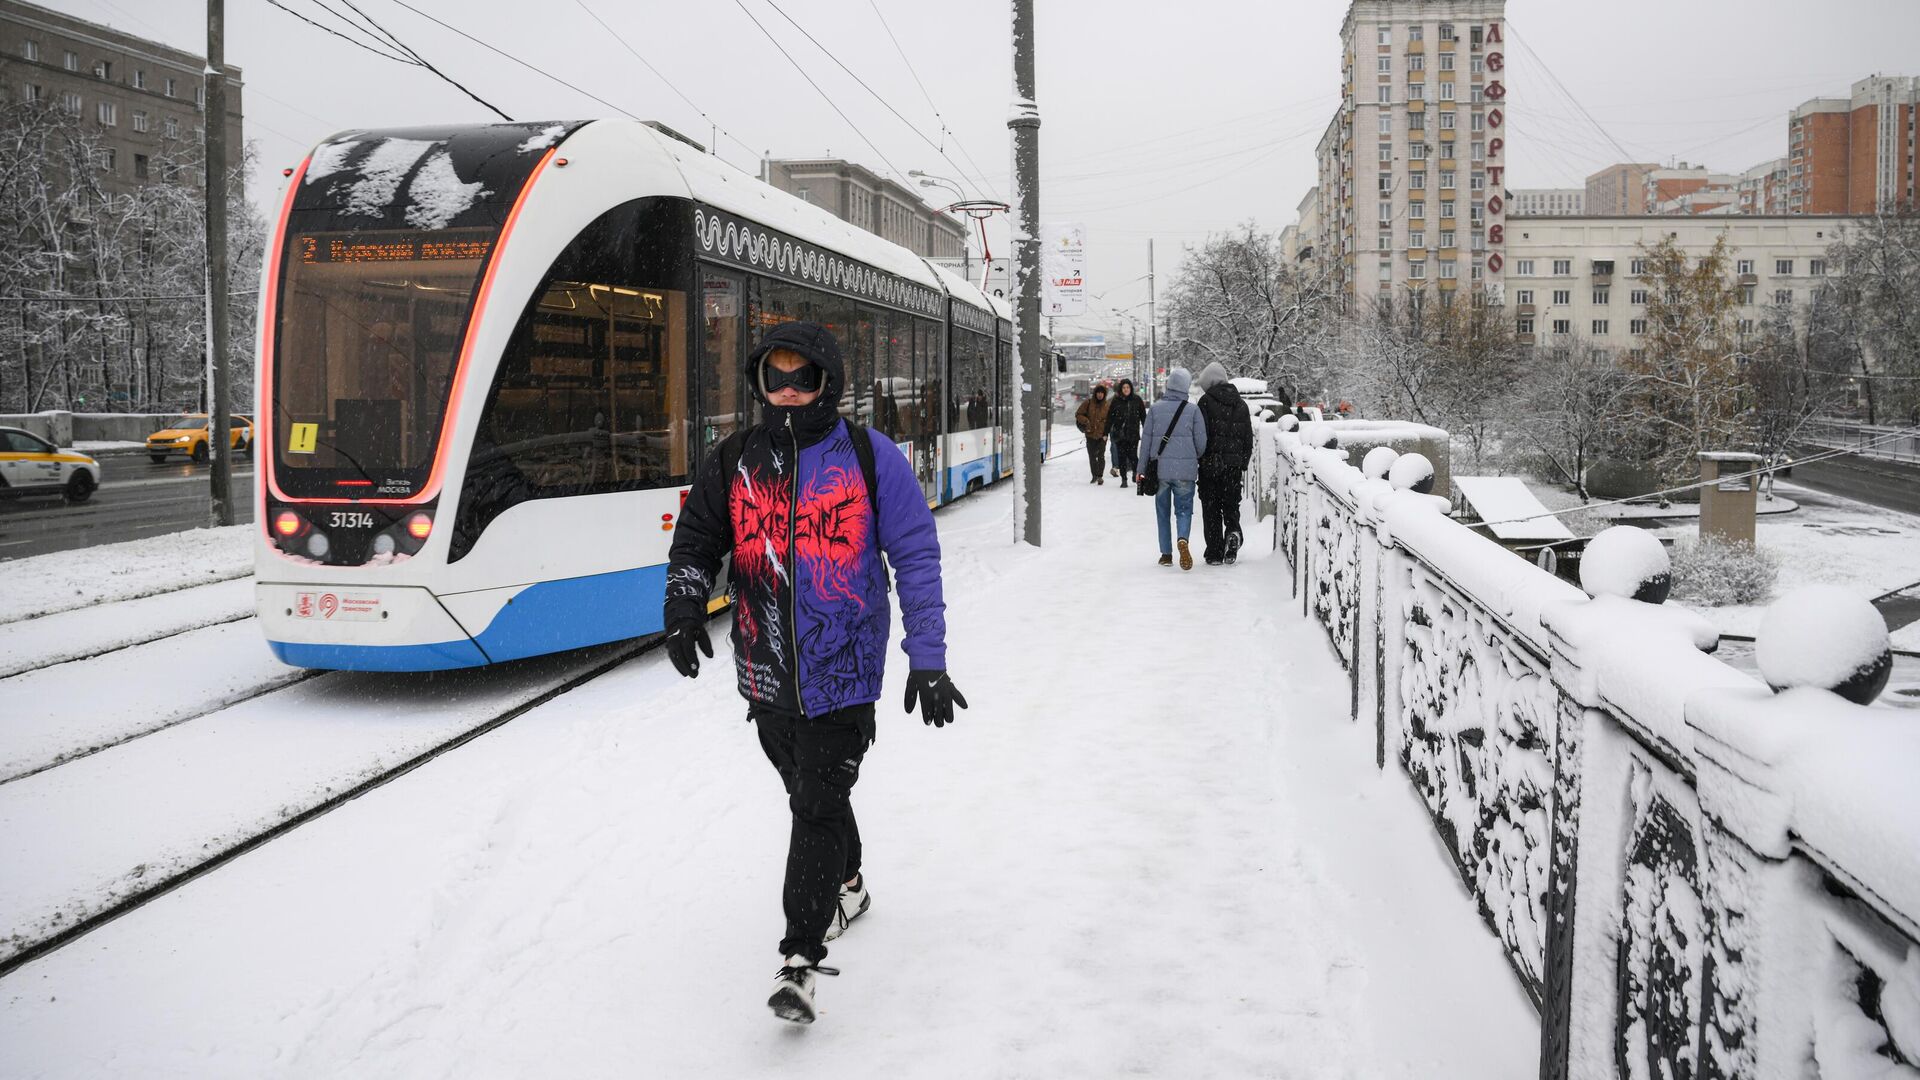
[1097, 454]
[1219, 511]
[1126, 456]
[818, 759]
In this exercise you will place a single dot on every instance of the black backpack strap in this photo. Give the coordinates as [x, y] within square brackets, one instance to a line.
[863, 451]
[730, 449]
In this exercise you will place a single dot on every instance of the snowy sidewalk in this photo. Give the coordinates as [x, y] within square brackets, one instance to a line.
[1155, 845]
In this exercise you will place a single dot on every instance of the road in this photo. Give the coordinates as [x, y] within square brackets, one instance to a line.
[1887, 484]
[136, 499]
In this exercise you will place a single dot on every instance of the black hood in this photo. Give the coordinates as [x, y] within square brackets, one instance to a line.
[1126, 383]
[813, 420]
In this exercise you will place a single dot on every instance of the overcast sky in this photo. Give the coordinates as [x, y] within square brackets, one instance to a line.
[1161, 120]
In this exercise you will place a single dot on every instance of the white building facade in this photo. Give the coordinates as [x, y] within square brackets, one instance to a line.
[1413, 166]
[1547, 202]
[1579, 277]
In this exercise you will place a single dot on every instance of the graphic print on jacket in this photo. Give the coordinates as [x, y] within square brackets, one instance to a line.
[836, 577]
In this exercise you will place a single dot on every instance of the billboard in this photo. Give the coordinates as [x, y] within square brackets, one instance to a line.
[1063, 254]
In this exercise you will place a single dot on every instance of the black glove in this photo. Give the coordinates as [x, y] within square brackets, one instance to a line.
[681, 639]
[937, 696]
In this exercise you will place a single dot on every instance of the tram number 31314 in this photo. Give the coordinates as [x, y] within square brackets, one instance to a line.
[350, 519]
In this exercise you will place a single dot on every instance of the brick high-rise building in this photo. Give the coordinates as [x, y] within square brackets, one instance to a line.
[1619, 190]
[1855, 155]
[1413, 166]
[145, 100]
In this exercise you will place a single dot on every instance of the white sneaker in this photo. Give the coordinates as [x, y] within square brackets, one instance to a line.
[792, 998]
[853, 904]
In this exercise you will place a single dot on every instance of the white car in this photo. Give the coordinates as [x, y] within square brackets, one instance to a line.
[30, 465]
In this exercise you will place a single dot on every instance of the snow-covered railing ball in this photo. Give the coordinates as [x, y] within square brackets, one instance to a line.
[1411, 472]
[1288, 422]
[1824, 636]
[1627, 561]
[1378, 461]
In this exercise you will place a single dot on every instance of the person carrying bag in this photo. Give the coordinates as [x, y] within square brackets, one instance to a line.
[1172, 468]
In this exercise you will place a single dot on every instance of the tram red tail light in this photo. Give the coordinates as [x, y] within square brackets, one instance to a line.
[288, 524]
[419, 525]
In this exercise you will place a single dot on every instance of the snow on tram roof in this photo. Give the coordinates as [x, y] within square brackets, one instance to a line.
[718, 184]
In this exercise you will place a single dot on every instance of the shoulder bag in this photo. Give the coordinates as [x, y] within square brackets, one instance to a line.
[1149, 483]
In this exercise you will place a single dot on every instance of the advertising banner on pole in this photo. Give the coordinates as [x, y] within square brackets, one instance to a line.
[1063, 259]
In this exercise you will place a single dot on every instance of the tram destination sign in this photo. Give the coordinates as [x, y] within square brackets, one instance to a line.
[452, 245]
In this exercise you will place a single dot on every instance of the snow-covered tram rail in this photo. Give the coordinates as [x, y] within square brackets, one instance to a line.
[492, 357]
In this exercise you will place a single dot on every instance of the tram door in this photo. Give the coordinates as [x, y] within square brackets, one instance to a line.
[723, 398]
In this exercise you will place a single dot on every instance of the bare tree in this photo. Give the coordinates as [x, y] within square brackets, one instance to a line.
[1688, 383]
[1879, 278]
[1785, 383]
[1574, 404]
[1237, 299]
[1436, 360]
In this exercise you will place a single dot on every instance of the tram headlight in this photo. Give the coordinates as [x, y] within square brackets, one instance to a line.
[384, 544]
[317, 545]
[419, 526]
[288, 524]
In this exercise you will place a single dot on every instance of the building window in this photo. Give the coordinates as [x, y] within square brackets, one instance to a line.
[1446, 61]
[1476, 96]
[1417, 92]
[1523, 268]
[200, 97]
[1386, 35]
[139, 79]
[1416, 32]
[71, 103]
[1448, 237]
[1479, 271]
[1386, 211]
[1599, 328]
[1417, 209]
[103, 69]
[1447, 207]
[1446, 91]
[1446, 32]
[1638, 296]
[1417, 121]
[1449, 270]
[1447, 178]
[1386, 241]
[1417, 181]
[1744, 266]
[1523, 296]
[30, 49]
[1385, 181]
[1479, 149]
[108, 158]
[1563, 326]
[1474, 36]
[1386, 151]
[1562, 297]
[1637, 326]
[1417, 151]
[140, 121]
[1602, 297]
[1448, 121]
[1417, 270]
[1386, 95]
[1782, 297]
[1524, 324]
[1783, 268]
[1386, 65]
[1417, 239]
[1479, 122]
[171, 129]
[1477, 66]
[1816, 268]
[1746, 294]
[140, 166]
[70, 61]
[1386, 271]
[1417, 62]
[1639, 267]
[167, 86]
[107, 112]
[1477, 182]
[1562, 267]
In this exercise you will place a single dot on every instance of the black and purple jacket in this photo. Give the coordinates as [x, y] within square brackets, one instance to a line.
[808, 585]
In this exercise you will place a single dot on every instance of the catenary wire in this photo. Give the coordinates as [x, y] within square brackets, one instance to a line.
[898, 173]
[941, 120]
[354, 41]
[662, 77]
[417, 59]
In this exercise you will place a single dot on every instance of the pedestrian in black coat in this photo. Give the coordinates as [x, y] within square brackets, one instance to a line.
[1125, 417]
[1222, 466]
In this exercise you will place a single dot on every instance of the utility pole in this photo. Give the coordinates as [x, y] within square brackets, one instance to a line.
[219, 423]
[1153, 324]
[1024, 119]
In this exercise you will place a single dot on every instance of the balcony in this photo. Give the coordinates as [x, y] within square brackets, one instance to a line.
[1523, 309]
[1749, 279]
[1524, 339]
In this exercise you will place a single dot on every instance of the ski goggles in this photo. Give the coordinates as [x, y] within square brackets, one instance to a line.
[806, 380]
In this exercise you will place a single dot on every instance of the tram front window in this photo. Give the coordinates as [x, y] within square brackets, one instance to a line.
[369, 331]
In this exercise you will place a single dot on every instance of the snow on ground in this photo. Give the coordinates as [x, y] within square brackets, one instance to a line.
[1154, 845]
[102, 446]
[65, 580]
[88, 631]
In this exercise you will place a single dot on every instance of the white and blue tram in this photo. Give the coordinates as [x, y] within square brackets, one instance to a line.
[490, 358]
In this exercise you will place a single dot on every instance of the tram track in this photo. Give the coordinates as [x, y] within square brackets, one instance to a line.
[41, 923]
[94, 630]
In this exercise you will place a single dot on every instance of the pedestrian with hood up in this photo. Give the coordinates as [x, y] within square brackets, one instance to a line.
[1091, 419]
[1229, 448]
[806, 512]
[1124, 419]
[1171, 445]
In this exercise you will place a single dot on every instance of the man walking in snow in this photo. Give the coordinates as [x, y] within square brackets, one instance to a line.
[1124, 418]
[1229, 448]
[1091, 418]
[1172, 442]
[806, 511]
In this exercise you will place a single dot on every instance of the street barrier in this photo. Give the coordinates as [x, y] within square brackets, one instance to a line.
[1691, 875]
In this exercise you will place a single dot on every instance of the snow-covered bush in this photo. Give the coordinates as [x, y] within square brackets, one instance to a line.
[1713, 573]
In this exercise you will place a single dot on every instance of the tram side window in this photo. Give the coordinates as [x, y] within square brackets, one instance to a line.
[591, 395]
[720, 390]
[892, 373]
[1003, 382]
[968, 405]
[926, 369]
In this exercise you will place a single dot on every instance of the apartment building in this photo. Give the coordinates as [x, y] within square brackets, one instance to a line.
[1855, 155]
[1619, 190]
[859, 196]
[1763, 188]
[1547, 202]
[146, 101]
[1578, 277]
[1413, 165]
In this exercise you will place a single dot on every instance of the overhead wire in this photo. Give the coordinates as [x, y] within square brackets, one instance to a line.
[503, 54]
[354, 41]
[938, 118]
[899, 174]
[416, 58]
[658, 74]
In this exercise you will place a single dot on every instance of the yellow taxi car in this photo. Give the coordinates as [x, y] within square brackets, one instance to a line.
[30, 465]
[188, 435]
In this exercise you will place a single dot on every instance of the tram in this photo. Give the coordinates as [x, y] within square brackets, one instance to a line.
[491, 357]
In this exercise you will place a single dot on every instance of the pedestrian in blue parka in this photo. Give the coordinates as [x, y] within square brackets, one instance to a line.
[1173, 441]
